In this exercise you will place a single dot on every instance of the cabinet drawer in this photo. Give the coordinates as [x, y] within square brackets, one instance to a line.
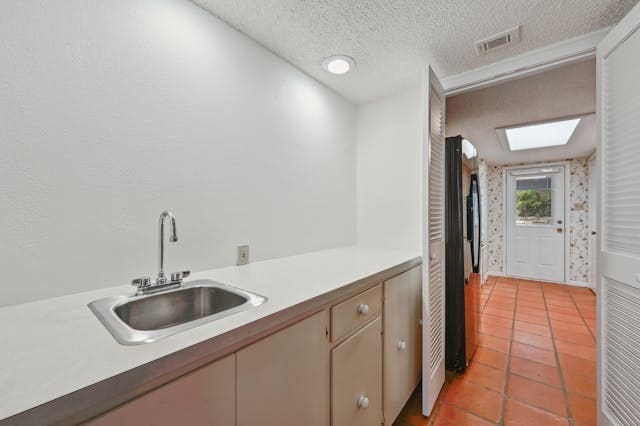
[356, 378]
[348, 316]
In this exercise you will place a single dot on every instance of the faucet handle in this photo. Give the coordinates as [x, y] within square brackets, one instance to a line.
[180, 275]
[142, 282]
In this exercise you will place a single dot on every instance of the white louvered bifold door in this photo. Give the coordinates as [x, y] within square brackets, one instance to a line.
[433, 243]
[618, 323]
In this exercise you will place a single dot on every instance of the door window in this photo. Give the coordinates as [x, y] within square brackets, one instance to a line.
[534, 200]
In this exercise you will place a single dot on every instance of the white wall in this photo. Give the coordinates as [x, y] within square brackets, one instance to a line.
[112, 111]
[389, 172]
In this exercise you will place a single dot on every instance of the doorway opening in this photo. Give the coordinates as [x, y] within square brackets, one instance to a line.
[536, 320]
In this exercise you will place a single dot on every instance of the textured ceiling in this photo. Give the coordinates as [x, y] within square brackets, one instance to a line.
[559, 93]
[391, 39]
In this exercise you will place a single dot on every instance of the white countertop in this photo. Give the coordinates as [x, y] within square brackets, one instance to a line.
[53, 347]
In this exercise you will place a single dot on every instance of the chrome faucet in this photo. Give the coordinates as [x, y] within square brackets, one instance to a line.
[162, 279]
[144, 284]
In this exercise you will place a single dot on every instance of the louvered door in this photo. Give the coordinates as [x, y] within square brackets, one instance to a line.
[433, 244]
[618, 322]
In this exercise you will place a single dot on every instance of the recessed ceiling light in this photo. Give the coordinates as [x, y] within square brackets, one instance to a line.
[338, 64]
[555, 133]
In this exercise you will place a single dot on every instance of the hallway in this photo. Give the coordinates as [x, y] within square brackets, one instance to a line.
[536, 363]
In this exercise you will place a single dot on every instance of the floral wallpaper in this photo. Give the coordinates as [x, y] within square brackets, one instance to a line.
[484, 189]
[494, 217]
[578, 219]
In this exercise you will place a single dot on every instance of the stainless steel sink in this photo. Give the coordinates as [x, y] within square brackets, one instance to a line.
[134, 320]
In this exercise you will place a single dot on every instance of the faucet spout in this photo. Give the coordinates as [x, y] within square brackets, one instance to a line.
[172, 238]
[145, 284]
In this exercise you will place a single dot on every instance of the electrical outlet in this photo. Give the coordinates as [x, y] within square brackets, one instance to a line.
[243, 254]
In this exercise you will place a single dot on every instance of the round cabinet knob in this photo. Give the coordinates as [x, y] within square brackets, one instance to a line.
[402, 345]
[363, 309]
[363, 402]
[432, 257]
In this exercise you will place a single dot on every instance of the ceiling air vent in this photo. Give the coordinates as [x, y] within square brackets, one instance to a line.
[497, 41]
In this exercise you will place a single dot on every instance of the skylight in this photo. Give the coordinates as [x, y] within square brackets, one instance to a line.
[543, 135]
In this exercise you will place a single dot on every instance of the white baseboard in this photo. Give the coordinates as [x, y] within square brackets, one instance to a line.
[569, 282]
[579, 283]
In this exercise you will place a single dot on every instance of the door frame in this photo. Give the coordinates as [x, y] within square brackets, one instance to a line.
[567, 208]
[592, 215]
[573, 50]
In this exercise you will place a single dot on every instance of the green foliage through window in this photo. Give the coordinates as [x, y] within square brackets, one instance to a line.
[534, 205]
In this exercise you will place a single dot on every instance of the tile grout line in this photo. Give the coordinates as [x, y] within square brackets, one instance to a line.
[550, 336]
[507, 371]
[431, 419]
[565, 390]
[438, 406]
[582, 316]
[463, 409]
[516, 288]
[493, 289]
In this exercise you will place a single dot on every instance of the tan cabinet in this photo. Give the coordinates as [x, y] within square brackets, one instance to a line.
[203, 397]
[348, 316]
[356, 378]
[402, 340]
[283, 379]
[294, 377]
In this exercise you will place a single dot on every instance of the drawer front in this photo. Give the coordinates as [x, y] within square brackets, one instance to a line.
[356, 378]
[348, 316]
[402, 340]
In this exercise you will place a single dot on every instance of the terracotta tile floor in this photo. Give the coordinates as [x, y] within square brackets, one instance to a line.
[535, 364]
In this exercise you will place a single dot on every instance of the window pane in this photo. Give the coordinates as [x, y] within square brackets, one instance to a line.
[534, 200]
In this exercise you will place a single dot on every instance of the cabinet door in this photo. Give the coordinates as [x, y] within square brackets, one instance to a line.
[402, 340]
[283, 379]
[356, 378]
[203, 397]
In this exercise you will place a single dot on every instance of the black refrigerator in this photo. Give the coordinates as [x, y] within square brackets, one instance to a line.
[462, 253]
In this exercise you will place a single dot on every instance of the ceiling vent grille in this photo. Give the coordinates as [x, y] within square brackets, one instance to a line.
[497, 41]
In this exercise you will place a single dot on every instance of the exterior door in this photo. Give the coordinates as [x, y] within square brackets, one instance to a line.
[536, 223]
[618, 301]
[433, 242]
